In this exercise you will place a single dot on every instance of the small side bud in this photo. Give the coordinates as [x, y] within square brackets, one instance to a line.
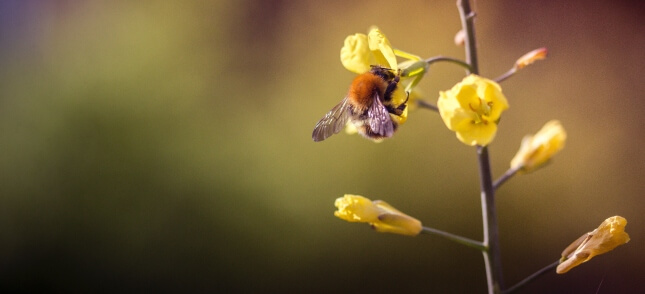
[529, 58]
[537, 149]
[460, 38]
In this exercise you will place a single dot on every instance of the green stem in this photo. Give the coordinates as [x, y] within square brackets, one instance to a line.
[522, 283]
[492, 256]
[462, 63]
[452, 237]
[432, 60]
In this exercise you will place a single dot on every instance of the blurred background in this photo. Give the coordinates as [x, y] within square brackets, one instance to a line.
[166, 146]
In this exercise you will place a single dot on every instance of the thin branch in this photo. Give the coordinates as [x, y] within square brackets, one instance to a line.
[505, 177]
[506, 75]
[461, 63]
[530, 278]
[427, 105]
[452, 237]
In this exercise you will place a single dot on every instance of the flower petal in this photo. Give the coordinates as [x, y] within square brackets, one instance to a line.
[381, 48]
[356, 208]
[471, 134]
[355, 54]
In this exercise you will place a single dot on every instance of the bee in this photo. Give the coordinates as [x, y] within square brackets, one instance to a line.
[367, 106]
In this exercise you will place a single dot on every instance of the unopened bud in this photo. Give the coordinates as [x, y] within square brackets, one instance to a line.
[528, 58]
[381, 216]
[609, 235]
[460, 38]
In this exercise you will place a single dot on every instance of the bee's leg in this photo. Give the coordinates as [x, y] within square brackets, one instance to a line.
[399, 109]
[407, 97]
[391, 87]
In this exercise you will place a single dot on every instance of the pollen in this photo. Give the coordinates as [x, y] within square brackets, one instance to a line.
[481, 112]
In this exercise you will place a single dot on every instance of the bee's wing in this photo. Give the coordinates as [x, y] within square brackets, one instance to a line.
[379, 118]
[332, 122]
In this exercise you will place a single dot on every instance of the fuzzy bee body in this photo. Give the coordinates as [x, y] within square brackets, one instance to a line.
[367, 106]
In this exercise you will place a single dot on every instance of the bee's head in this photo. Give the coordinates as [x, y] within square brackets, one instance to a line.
[386, 73]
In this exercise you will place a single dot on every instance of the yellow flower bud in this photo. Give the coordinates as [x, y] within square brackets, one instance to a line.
[472, 109]
[537, 149]
[529, 58]
[381, 216]
[609, 235]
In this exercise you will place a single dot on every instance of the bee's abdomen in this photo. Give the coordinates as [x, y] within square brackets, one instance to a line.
[366, 131]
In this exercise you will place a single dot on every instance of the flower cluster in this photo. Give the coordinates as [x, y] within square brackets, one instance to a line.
[472, 109]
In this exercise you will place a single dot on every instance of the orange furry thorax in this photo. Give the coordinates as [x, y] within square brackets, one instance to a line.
[363, 88]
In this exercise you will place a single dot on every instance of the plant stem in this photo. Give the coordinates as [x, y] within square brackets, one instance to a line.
[507, 175]
[492, 256]
[432, 60]
[452, 237]
[427, 105]
[506, 75]
[462, 63]
[522, 283]
[467, 24]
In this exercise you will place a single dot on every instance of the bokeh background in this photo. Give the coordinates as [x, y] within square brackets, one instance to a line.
[164, 146]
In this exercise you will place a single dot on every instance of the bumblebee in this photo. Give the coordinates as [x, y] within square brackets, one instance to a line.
[367, 106]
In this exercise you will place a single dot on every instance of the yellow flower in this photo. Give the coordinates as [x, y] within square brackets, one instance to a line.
[380, 215]
[537, 149]
[609, 235]
[360, 51]
[472, 109]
